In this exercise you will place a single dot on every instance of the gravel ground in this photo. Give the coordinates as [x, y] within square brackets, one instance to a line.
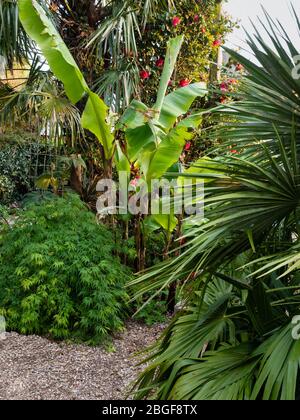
[34, 368]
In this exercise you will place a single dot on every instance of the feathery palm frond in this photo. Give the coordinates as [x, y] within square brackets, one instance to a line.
[40, 104]
[15, 45]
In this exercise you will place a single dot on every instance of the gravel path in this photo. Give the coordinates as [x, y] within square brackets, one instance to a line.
[32, 367]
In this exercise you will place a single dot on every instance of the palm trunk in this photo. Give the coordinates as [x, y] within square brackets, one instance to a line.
[171, 299]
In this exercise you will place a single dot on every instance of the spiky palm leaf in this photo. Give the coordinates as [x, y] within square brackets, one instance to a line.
[269, 92]
[244, 372]
[251, 210]
[217, 349]
[245, 205]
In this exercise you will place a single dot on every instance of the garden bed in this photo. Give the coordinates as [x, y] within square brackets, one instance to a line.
[33, 367]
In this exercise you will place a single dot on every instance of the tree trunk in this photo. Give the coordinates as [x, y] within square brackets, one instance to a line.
[140, 244]
[171, 300]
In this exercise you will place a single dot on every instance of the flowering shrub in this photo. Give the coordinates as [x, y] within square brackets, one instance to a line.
[204, 32]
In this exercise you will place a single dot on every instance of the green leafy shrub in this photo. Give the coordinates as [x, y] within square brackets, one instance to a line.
[58, 273]
[4, 214]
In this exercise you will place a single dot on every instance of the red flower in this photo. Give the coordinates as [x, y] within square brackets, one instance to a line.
[184, 82]
[239, 67]
[223, 99]
[233, 151]
[217, 43]
[187, 146]
[196, 18]
[176, 21]
[144, 74]
[160, 62]
[203, 30]
[224, 86]
[233, 81]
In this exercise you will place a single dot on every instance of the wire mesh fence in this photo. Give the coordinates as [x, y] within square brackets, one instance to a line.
[42, 157]
[23, 161]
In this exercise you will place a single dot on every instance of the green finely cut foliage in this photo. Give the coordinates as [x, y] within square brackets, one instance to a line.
[59, 275]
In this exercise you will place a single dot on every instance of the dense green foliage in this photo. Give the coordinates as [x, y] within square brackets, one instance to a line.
[58, 273]
[6, 189]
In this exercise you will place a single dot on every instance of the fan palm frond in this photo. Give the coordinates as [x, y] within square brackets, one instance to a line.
[244, 205]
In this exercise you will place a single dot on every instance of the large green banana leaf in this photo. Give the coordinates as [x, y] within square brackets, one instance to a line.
[94, 120]
[174, 46]
[40, 28]
[147, 130]
[142, 129]
[179, 102]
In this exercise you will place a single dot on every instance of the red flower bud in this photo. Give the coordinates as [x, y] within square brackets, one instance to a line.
[187, 146]
[184, 82]
[176, 21]
[217, 43]
[160, 62]
[196, 18]
[144, 74]
[239, 67]
[224, 86]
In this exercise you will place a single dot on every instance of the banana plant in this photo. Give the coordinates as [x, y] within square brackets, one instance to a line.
[149, 132]
[155, 136]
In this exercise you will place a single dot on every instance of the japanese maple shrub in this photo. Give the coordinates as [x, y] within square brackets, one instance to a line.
[59, 274]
